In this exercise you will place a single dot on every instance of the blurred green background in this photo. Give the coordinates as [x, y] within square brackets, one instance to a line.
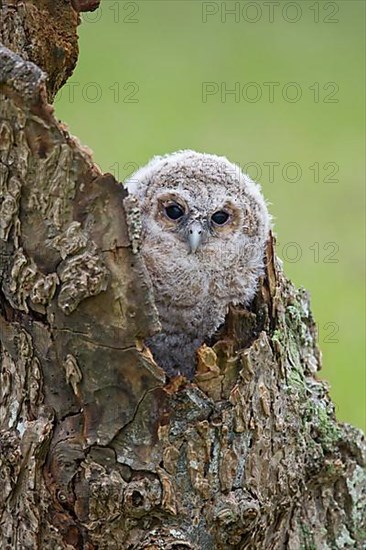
[155, 76]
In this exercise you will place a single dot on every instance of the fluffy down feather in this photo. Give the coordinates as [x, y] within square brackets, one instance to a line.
[194, 287]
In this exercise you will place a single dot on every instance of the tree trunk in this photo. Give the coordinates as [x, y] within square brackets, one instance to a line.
[98, 450]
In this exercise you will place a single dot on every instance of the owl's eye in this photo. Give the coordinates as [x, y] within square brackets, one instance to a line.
[174, 211]
[220, 217]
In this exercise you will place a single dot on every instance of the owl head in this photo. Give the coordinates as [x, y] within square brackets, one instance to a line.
[199, 202]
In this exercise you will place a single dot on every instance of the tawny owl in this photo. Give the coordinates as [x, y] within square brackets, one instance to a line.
[204, 228]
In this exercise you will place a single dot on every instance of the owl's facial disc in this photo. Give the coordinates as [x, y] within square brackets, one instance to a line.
[192, 225]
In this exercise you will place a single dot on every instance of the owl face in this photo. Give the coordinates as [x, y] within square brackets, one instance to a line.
[205, 223]
[195, 223]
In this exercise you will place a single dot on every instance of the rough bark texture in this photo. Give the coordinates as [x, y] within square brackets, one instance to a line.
[97, 449]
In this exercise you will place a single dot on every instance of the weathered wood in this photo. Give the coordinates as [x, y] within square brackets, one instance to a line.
[43, 31]
[97, 449]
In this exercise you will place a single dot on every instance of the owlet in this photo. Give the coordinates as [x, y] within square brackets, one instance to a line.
[204, 230]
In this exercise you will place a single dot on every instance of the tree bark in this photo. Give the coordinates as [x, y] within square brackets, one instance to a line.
[97, 449]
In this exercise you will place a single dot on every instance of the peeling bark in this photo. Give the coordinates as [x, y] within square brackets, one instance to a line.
[97, 449]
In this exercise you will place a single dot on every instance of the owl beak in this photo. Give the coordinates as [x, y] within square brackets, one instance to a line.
[194, 236]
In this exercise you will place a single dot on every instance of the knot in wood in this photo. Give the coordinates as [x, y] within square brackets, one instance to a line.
[141, 496]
